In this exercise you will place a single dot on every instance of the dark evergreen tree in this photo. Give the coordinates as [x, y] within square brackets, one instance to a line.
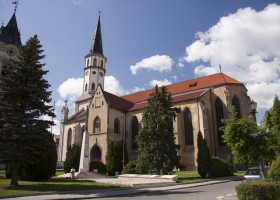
[24, 99]
[115, 157]
[157, 151]
[72, 159]
[203, 156]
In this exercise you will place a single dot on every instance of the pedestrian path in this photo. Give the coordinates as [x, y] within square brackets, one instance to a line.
[113, 193]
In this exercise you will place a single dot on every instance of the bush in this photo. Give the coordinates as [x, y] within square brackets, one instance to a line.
[8, 171]
[219, 168]
[130, 168]
[274, 171]
[259, 190]
[72, 158]
[45, 166]
[97, 164]
[115, 157]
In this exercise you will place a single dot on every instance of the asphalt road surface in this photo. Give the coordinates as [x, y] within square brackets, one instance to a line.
[222, 191]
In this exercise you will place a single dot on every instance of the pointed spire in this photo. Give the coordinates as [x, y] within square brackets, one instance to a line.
[96, 45]
[10, 34]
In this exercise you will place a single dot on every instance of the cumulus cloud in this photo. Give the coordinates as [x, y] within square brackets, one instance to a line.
[247, 46]
[160, 63]
[113, 86]
[160, 82]
[71, 88]
[137, 89]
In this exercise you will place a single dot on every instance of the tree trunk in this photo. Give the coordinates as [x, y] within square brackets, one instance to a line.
[14, 179]
[262, 168]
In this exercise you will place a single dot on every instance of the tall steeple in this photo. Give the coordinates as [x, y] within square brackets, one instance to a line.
[10, 34]
[95, 63]
[96, 46]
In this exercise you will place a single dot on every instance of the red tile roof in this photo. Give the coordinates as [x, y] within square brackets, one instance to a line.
[77, 117]
[186, 86]
[117, 102]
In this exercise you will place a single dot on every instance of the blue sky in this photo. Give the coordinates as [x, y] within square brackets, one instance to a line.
[159, 41]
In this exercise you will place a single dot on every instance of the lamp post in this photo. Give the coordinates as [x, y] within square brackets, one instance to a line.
[253, 106]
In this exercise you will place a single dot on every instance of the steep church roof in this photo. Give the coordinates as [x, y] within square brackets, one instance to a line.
[96, 45]
[10, 34]
[117, 102]
[187, 86]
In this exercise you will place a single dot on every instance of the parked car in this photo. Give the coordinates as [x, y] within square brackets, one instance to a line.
[252, 174]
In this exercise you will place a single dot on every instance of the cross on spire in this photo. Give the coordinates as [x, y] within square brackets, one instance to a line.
[16, 4]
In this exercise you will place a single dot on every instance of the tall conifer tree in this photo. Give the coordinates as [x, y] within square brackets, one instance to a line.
[24, 99]
[157, 151]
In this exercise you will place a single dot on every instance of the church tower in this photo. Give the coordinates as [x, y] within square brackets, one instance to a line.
[94, 70]
[9, 43]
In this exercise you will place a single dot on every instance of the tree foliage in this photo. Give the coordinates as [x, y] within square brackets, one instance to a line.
[115, 157]
[72, 159]
[24, 99]
[203, 156]
[157, 151]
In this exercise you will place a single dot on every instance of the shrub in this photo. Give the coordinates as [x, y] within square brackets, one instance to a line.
[72, 158]
[97, 164]
[274, 171]
[115, 157]
[219, 168]
[259, 190]
[203, 156]
[130, 168]
[8, 171]
[45, 166]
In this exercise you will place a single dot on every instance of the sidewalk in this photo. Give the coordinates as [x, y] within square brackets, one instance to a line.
[119, 192]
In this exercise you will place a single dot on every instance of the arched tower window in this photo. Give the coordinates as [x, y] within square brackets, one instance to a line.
[188, 127]
[96, 125]
[117, 125]
[102, 63]
[87, 62]
[94, 62]
[219, 117]
[134, 130]
[69, 138]
[93, 86]
[236, 105]
[86, 87]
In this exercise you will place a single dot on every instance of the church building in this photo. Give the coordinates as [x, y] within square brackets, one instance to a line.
[203, 103]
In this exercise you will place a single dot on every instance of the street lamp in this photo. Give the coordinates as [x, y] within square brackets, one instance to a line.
[253, 105]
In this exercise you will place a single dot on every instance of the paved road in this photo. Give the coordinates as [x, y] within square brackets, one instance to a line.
[222, 191]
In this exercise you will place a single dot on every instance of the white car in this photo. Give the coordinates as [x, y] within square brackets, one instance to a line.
[252, 174]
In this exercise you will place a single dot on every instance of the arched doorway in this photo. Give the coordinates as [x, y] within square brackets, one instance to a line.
[95, 153]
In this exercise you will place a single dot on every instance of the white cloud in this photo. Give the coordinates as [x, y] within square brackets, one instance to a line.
[71, 88]
[160, 82]
[181, 62]
[247, 46]
[77, 2]
[113, 86]
[137, 89]
[160, 63]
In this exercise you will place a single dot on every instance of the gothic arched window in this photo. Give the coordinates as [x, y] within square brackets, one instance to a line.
[94, 62]
[96, 125]
[219, 117]
[69, 138]
[188, 127]
[117, 125]
[87, 62]
[86, 86]
[134, 130]
[102, 63]
[93, 86]
[236, 105]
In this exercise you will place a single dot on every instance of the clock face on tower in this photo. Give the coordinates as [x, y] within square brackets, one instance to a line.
[11, 50]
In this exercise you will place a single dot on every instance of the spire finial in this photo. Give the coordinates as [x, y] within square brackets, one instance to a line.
[16, 4]
[66, 101]
[99, 12]
[220, 68]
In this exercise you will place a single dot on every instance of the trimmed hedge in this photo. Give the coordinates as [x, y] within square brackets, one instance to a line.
[97, 164]
[219, 168]
[274, 171]
[258, 190]
[130, 168]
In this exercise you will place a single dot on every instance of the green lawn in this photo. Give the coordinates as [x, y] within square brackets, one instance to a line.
[55, 184]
